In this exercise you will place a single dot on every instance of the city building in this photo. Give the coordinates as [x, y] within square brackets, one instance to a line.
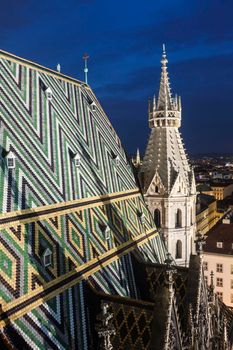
[82, 264]
[218, 258]
[207, 214]
[221, 189]
[166, 176]
[205, 188]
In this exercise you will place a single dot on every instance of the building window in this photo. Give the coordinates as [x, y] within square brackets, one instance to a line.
[47, 257]
[220, 295]
[157, 218]
[105, 230]
[107, 233]
[143, 219]
[10, 163]
[219, 282]
[77, 161]
[219, 268]
[49, 94]
[219, 244]
[156, 189]
[117, 160]
[10, 160]
[178, 218]
[205, 266]
[178, 249]
[206, 279]
[232, 269]
[93, 106]
[231, 284]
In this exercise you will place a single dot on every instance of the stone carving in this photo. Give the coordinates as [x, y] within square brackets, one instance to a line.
[105, 327]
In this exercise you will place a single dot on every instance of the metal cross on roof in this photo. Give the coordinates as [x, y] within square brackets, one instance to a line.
[85, 58]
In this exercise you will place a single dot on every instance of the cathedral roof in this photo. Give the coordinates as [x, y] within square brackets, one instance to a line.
[70, 206]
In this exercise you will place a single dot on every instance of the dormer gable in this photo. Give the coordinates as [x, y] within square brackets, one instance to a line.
[156, 187]
[179, 187]
[10, 160]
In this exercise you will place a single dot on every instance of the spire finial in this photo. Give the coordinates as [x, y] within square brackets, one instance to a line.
[164, 49]
[164, 60]
[164, 99]
[138, 158]
[59, 68]
[85, 58]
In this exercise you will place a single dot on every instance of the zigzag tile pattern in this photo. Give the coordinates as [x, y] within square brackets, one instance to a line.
[38, 196]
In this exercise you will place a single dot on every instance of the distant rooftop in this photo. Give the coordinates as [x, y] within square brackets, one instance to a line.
[203, 201]
[221, 183]
[220, 237]
[203, 187]
[226, 202]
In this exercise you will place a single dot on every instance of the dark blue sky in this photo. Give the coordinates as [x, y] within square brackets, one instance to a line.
[124, 40]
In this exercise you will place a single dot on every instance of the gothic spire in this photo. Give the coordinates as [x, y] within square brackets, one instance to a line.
[138, 158]
[164, 100]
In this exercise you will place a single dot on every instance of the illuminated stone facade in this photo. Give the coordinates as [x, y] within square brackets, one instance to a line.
[167, 178]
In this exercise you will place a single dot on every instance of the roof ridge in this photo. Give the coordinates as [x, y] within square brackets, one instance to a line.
[39, 67]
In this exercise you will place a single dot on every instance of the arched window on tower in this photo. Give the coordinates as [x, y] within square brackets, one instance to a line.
[157, 218]
[156, 189]
[178, 218]
[178, 249]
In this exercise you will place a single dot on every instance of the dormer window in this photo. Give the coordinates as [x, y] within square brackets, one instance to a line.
[107, 233]
[49, 94]
[219, 244]
[105, 230]
[93, 106]
[117, 160]
[77, 161]
[10, 160]
[142, 217]
[47, 257]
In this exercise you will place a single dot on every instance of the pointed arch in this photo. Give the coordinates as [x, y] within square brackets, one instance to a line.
[178, 218]
[178, 249]
[157, 218]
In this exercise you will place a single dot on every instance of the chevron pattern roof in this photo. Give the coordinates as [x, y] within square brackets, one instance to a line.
[65, 182]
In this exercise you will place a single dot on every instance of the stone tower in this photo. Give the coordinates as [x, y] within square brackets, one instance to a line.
[167, 178]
